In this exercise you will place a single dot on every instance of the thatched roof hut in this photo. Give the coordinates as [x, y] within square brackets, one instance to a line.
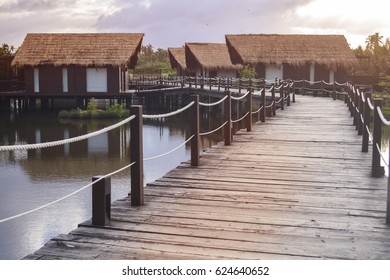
[331, 51]
[84, 49]
[177, 58]
[209, 57]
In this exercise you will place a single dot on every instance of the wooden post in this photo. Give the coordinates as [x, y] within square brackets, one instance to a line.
[101, 201]
[355, 113]
[282, 98]
[377, 170]
[195, 131]
[228, 118]
[388, 202]
[219, 84]
[288, 94]
[239, 85]
[249, 109]
[136, 155]
[293, 92]
[263, 103]
[273, 100]
[366, 123]
[360, 114]
[388, 195]
[334, 91]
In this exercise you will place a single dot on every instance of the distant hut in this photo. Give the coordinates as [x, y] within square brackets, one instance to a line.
[177, 57]
[309, 57]
[210, 60]
[77, 64]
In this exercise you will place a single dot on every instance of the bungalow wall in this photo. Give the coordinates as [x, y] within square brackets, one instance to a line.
[67, 80]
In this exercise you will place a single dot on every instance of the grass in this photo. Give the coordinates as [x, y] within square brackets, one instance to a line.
[113, 111]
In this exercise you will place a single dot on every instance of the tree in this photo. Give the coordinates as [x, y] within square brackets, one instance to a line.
[375, 58]
[6, 50]
[154, 62]
[248, 72]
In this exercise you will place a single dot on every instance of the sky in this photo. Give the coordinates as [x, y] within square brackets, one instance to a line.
[172, 23]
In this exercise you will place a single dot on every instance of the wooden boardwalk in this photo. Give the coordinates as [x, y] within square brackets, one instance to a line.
[296, 187]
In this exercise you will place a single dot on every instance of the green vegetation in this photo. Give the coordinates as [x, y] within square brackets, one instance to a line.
[111, 112]
[152, 62]
[374, 58]
[248, 72]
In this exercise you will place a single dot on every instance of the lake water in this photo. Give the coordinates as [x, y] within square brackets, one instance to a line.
[29, 179]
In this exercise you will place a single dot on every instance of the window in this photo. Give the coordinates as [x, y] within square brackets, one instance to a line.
[36, 79]
[312, 73]
[64, 79]
[96, 79]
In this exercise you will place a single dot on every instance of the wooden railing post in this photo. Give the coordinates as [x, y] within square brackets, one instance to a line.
[288, 94]
[293, 99]
[360, 114]
[195, 131]
[366, 123]
[136, 156]
[101, 201]
[282, 98]
[263, 104]
[377, 169]
[334, 91]
[249, 110]
[273, 100]
[228, 118]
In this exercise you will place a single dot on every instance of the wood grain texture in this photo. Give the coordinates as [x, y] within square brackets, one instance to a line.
[295, 187]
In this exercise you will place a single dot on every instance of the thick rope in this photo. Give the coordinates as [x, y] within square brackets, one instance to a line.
[168, 114]
[380, 153]
[255, 112]
[241, 97]
[370, 104]
[382, 117]
[171, 151]
[65, 197]
[213, 104]
[65, 141]
[212, 131]
[240, 119]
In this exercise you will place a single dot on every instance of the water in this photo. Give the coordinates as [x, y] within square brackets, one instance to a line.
[29, 179]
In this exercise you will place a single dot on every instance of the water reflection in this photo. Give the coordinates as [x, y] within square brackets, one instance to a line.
[29, 179]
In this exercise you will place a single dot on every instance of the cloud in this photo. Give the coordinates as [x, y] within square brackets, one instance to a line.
[174, 22]
[169, 23]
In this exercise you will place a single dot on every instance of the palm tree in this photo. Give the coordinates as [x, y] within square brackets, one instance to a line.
[373, 42]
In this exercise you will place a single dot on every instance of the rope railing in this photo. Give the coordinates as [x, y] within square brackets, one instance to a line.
[64, 141]
[66, 196]
[171, 151]
[240, 97]
[136, 153]
[361, 104]
[214, 130]
[166, 115]
[240, 119]
[213, 104]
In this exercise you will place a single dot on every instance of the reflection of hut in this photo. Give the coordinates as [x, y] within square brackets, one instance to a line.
[210, 60]
[77, 64]
[311, 57]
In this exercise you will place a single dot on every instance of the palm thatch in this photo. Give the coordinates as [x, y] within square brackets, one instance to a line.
[84, 49]
[208, 56]
[332, 51]
[177, 58]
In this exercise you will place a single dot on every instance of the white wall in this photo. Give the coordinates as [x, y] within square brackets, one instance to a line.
[96, 79]
[273, 71]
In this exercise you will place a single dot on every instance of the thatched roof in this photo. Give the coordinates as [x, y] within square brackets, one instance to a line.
[85, 49]
[330, 50]
[209, 56]
[177, 58]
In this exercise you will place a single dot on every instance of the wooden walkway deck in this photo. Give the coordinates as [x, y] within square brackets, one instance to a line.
[296, 187]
